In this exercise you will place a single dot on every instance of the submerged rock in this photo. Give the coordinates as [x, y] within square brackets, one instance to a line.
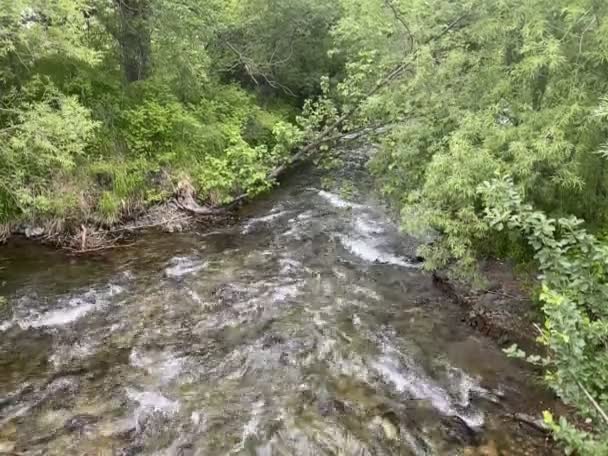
[79, 422]
[488, 449]
[7, 446]
[389, 427]
[33, 231]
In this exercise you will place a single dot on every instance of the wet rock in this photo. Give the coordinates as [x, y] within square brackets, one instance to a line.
[284, 359]
[7, 446]
[33, 231]
[272, 339]
[456, 430]
[79, 422]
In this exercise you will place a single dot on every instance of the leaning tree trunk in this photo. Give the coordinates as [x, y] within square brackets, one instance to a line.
[134, 38]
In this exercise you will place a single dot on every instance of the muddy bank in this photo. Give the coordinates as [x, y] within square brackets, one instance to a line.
[181, 213]
[503, 310]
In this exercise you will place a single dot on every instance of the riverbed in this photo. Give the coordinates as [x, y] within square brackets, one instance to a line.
[306, 328]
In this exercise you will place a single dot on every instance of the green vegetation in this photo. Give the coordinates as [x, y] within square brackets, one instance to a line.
[106, 106]
[573, 265]
[482, 89]
[495, 116]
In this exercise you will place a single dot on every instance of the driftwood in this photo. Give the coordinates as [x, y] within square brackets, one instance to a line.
[185, 200]
[531, 421]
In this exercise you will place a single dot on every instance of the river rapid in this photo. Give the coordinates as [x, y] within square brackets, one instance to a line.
[307, 328]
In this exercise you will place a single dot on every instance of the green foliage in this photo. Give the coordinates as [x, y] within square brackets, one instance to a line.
[511, 87]
[280, 47]
[105, 106]
[575, 291]
[109, 206]
[152, 128]
[42, 143]
[33, 30]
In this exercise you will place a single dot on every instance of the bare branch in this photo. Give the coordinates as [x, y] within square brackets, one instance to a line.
[254, 70]
[401, 20]
[594, 402]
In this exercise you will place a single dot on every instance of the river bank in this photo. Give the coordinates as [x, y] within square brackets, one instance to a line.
[503, 310]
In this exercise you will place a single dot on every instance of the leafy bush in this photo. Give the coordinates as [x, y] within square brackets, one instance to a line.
[43, 142]
[102, 112]
[575, 291]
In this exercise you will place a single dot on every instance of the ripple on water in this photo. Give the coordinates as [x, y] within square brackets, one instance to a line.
[68, 311]
[254, 222]
[336, 200]
[65, 354]
[368, 250]
[151, 401]
[282, 293]
[420, 386]
[181, 266]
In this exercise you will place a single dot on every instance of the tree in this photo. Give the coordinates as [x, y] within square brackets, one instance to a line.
[134, 37]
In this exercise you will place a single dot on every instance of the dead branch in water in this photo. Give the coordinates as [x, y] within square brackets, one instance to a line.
[530, 421]
[99, 249]
[133, 228]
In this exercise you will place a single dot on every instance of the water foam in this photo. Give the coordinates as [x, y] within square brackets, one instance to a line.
[252, 223]
[421, 387]
[150, 401]
[367, 250]
[182, 266]
[336, 200]
[164, 366]
[73, 309]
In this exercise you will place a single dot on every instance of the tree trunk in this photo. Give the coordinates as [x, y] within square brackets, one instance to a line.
[134, 38]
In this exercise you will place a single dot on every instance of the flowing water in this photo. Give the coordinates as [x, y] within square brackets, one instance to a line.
[308, 328]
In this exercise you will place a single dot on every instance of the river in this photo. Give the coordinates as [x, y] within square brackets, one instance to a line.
[307, 328]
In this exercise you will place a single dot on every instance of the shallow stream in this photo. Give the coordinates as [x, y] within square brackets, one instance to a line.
[308, 328]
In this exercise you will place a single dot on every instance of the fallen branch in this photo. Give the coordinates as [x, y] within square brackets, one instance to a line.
[83, 238]
[254, 70]
[324, 136]
[530, 421]
[113, 245]
[186, 201]
[505, 295]
[202, 210]
[594, 402]
[133, 228]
